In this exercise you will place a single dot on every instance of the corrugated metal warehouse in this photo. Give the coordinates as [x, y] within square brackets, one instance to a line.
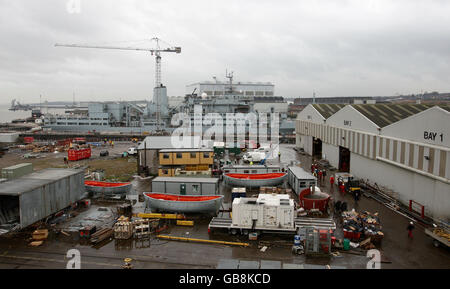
[404, 147]
[186, 186]
[38, 195]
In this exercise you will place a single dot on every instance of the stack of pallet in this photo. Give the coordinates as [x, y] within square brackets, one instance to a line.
[123, 229]
[144, 227]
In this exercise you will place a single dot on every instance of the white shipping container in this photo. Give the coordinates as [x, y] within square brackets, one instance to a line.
[268, 211]
[9, 137]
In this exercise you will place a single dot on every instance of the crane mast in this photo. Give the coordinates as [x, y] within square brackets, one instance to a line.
[158, 74]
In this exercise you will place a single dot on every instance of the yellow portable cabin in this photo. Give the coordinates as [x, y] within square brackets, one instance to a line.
[186, 157]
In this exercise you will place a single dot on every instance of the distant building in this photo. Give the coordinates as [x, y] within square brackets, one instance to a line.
[176, 101]
[294, 109]
[267, 104]
[335, 100]
[218, 88]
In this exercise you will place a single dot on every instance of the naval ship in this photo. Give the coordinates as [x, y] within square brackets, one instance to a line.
[129, 117]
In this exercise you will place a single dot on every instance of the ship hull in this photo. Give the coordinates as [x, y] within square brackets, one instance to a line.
[183, 204]
[107, 188]
[255, 180]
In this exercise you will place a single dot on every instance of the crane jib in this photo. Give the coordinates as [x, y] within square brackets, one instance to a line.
[153, 51]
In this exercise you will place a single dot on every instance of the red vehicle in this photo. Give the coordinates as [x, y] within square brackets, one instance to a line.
[28, 140]
[79, 154]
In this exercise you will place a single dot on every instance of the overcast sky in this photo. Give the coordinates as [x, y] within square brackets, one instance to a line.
[337, 48]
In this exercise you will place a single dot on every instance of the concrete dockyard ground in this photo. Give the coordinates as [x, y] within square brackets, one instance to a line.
[396, 249]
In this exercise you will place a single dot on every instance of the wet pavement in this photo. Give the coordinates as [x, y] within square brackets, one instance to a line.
[396, 247]
[402, 252]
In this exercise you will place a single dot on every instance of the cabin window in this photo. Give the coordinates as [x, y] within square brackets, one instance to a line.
[227, 171]
[195, 189]
[246, 171]
[179, 155]
[274, 171]
[206, 155]
[254, 172]
[312, 184]
[166, 156]
[302, 184]
[193, 155]
[165, 172]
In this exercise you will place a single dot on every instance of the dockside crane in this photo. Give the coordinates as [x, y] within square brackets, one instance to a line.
[154, 52]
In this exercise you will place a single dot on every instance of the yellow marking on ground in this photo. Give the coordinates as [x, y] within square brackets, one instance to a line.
[202, 241]
[161, 216]
[185, 223]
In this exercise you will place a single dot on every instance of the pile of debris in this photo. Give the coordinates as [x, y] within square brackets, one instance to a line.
[352, 225]
[44, 148]
[442, 233]
[372, 227]
[366, 226]
[101, 235]
[274, 190]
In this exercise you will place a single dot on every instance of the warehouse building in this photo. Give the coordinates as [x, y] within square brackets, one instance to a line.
[33, 197]
[404, 147]
[314, 114]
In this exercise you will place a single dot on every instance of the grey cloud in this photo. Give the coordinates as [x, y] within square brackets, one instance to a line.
[334, 47]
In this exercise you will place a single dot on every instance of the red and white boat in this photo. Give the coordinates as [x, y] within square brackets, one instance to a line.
[183, 204]
[255, 180]
[107, 188]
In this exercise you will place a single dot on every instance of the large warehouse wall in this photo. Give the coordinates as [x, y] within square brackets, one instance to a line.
[331, 153]
[431, 126]
[305, 142]
[350, 118]
[432, 193]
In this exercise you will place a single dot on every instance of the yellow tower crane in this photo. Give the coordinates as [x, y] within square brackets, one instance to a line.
[154, 52]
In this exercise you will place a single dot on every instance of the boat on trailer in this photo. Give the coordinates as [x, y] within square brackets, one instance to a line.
[107, 188]
[255, 180]
[183, 204]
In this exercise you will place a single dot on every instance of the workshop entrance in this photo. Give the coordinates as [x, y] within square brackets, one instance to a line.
[317, 148]
[344, 159]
